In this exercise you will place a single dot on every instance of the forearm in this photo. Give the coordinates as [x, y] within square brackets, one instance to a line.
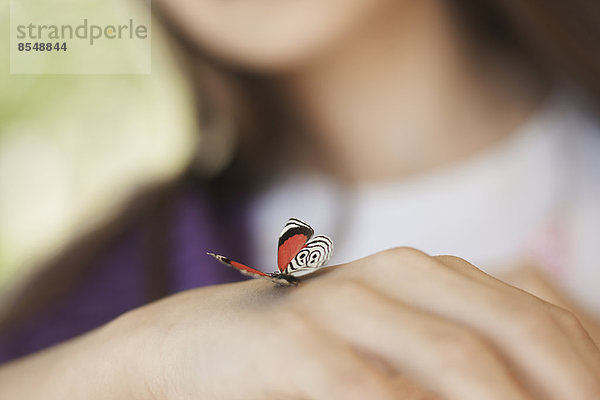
[125, 358]
[96, 365]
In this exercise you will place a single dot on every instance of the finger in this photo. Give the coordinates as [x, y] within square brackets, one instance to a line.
[406, 389]
[542, 355]
[442, 357]
[323, 367]
[567, 322]
[582, 341]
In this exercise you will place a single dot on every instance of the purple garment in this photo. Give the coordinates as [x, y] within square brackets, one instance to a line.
[117, 281]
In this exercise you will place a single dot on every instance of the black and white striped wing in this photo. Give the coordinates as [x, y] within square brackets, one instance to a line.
[311, 257]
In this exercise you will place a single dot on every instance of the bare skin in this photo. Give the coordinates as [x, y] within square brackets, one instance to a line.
[393, 78]
[405, 97]
[362, 330]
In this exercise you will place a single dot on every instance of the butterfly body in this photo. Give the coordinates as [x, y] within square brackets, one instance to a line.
[297, 255]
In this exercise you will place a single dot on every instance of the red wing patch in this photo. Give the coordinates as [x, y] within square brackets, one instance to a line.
[244, 269]
[294, 236]
[288, 250]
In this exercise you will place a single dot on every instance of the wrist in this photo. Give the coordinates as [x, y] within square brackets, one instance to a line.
[104, 363]
[132, 356]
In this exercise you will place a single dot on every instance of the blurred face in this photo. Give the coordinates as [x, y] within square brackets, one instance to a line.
[272, 35]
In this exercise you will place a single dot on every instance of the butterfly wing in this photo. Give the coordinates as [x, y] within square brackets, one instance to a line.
[293, 237]
[311, 257]
[244, 269]
[254, 273]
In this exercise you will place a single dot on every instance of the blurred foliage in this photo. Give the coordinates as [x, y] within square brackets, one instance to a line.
[73, 147]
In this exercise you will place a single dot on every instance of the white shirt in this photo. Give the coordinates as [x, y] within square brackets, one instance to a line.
[534, 196]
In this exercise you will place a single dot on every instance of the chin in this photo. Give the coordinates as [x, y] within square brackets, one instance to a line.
[269, 35]
[280, 54]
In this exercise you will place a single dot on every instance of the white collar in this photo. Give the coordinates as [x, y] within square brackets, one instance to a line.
[486, 208]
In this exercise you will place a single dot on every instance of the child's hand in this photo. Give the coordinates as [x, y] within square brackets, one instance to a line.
[351, 331]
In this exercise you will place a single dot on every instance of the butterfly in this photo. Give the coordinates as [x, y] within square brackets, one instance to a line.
[297, 254]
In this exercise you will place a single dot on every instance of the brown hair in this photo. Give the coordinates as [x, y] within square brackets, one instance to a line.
[558, 39]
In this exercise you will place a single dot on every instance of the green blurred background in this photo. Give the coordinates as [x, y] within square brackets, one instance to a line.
[74, 147]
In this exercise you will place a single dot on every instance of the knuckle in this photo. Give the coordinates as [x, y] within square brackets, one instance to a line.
[459, 348]
[390, 259]
[404, 252]
[454, 261]
[566, 318]
[450, 258]
[530, 323]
